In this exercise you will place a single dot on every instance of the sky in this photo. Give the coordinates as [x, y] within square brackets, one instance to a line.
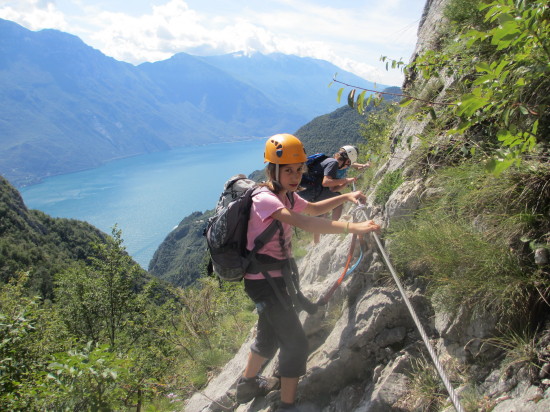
[352, 34]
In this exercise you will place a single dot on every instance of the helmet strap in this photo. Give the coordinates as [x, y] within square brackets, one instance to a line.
[276, 185]
[344, 156]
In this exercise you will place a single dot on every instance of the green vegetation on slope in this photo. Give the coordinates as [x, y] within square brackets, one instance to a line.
[499, 99]
[180, 259]
[108, 341]
[470, 243]
[83, 327]
[32, 240]
[484, 159]
[481, 238]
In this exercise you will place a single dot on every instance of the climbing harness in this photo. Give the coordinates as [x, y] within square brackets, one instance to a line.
[433, 355]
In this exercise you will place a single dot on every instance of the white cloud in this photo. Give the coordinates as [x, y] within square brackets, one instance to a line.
[352, 38]
[33, 14]
[168, 29]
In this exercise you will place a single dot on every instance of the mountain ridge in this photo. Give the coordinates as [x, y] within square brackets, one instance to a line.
[307, 83]
[69, 107]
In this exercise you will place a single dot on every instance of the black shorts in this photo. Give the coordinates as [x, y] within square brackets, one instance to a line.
[278, 328]
[317, 193]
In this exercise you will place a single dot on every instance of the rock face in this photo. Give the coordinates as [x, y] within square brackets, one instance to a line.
[364, 327]
[364, 343]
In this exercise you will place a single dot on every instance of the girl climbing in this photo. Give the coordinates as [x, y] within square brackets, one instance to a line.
[278, 324]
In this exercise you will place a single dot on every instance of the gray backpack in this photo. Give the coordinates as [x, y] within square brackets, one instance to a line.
[226, 237]
[226, 232]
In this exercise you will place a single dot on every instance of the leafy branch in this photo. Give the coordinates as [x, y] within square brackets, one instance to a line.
[361, 102]
[502, 66]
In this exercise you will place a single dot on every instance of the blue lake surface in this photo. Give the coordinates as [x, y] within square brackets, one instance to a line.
[147, 195]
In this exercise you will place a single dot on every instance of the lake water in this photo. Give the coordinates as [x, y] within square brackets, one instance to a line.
[147, 195]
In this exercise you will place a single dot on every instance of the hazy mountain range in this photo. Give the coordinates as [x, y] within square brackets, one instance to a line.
[68, 107]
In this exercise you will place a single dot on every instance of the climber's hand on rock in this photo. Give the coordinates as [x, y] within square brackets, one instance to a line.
[357, 197]
[365, 227]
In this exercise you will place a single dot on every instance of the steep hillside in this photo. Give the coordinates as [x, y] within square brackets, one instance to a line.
[180, 258]
[31, 239]
[329, 132]
[74, 305]
[461, 191]
[275, 72]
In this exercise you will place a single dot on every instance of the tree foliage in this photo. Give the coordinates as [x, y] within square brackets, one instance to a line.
[30, 331]
[376, 131]
[98, 300]
[109, 341]
[495, 55]
[501, 65]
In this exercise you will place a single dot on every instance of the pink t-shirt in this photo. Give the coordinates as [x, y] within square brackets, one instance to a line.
[264, 204]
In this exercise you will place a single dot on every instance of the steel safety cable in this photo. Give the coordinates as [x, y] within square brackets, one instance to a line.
[433, 355]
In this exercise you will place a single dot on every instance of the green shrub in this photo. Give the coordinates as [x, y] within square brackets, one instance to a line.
[521, 349]
[30, 333]
[376, 131]
[89, 378]
[501, 69]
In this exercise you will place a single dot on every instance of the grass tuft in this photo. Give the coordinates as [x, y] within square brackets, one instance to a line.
[387, 186]
[469, 242]
[521, 349]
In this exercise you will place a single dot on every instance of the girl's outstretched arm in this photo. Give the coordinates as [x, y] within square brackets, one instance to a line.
[321, 225]
[324, 206]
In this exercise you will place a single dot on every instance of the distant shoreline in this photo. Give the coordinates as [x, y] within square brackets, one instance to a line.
[37, 180]
[146, 195]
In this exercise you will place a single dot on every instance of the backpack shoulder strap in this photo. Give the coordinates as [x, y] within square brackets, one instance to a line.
[289, 195]
[273, 227]
[291, 199]
[265, 237]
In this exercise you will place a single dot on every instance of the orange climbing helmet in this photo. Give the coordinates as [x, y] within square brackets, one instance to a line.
[283, 149]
